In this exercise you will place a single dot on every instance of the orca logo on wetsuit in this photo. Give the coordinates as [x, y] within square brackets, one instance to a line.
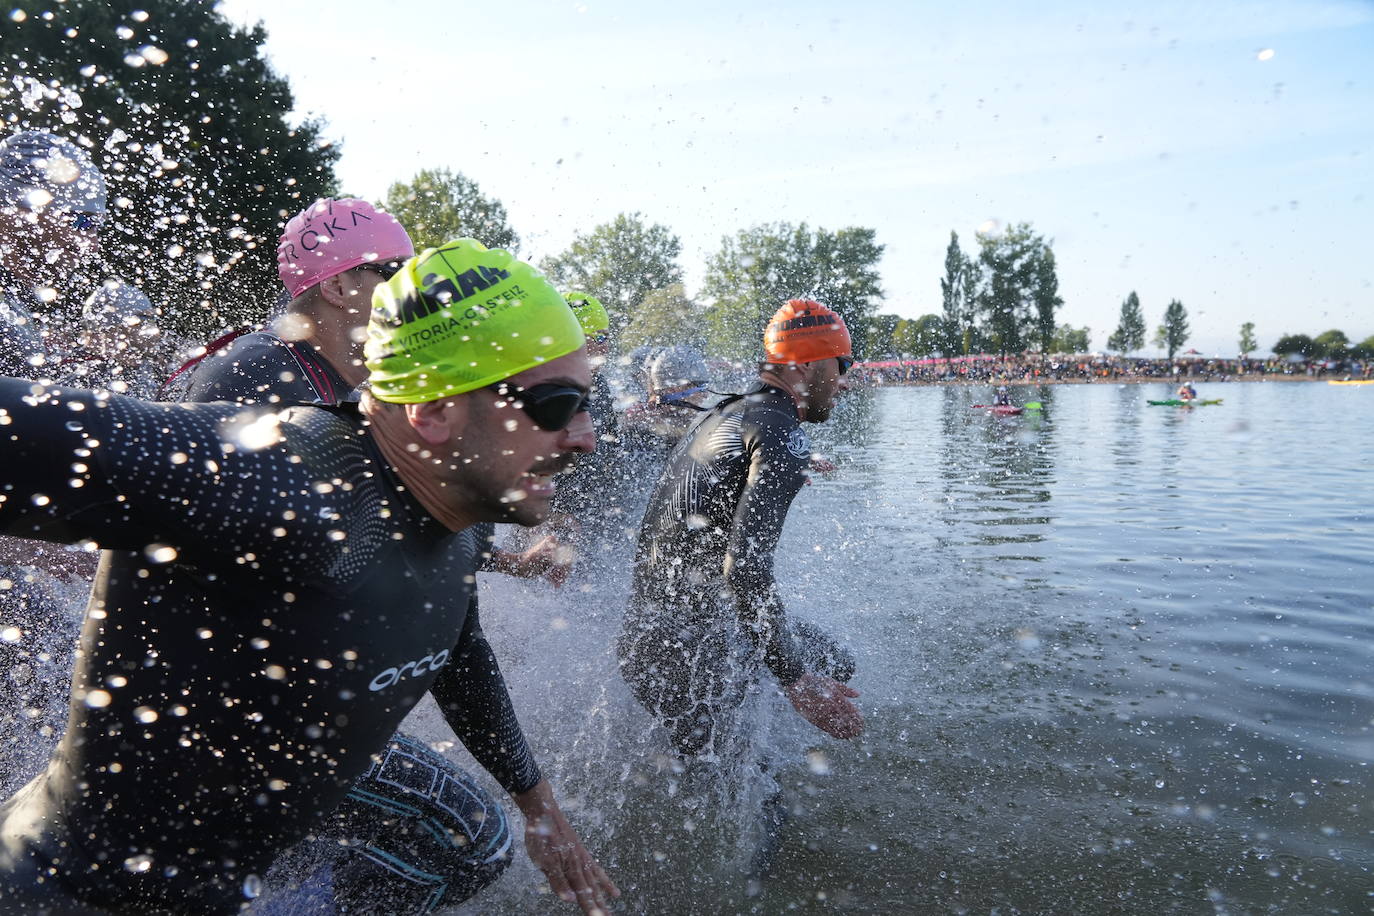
[416, 668]
[798, 443]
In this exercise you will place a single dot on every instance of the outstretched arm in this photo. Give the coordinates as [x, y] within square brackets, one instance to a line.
[473, 698]
[776, 474]
[779, 454]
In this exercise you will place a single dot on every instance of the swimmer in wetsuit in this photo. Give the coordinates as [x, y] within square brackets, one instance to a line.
[415, 832]
[278, 590]
[705, 619]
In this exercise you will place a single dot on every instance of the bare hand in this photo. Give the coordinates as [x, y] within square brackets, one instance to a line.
[555, 847]
[824, 702]
[549, 558]
[823, 466]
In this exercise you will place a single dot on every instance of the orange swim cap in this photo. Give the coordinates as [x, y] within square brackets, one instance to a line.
[803, 331]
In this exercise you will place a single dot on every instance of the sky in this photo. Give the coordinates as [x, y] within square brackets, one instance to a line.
[1218, 153]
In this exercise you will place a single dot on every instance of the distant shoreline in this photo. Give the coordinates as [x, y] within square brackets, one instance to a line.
[1124, 380]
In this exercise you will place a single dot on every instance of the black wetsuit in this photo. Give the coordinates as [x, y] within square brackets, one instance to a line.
[404, 844]
[263, 368]
[705, 615]
[270, 604]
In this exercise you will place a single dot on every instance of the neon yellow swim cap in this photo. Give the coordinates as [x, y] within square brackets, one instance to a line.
[591, 314]
[461, 316]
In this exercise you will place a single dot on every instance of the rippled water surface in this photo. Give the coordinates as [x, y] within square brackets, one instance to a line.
[1114, 658]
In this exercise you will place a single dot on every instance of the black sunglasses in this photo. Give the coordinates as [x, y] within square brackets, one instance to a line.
[387, 269]
[551, 406]
[846, 363]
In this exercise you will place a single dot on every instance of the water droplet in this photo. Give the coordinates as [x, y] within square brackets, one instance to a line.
[145, 714]
[40, 500]
[153, 55]
[252, 887]
[818, 763]
[98, 699]
[1266, 54]
[275, 672]
[138, 864]
[205, 632]
[179, 458]
[160, 553]
[10, 635]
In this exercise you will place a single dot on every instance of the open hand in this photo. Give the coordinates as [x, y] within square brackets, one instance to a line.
[824, 702]
[555, 847]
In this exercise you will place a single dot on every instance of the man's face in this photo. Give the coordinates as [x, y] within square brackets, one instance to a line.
[509, 462]
[822, 386]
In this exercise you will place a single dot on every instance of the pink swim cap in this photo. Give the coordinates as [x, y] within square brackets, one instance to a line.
[333, 235]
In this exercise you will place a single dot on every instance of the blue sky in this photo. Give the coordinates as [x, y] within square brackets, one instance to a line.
[1215, 153]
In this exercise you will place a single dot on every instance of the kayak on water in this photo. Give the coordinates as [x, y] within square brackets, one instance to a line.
[1350, 381]
[1002, 410]
[1175, 402]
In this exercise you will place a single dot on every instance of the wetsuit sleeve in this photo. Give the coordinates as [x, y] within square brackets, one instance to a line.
[472, 696]
[251, 370]
[46, 453]
[129, 474]
[776, 472]
[485, 535]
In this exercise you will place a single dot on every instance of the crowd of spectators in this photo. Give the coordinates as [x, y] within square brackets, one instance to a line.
[1097, 367]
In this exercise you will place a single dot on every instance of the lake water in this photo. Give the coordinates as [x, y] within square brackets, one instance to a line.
[1114, 659]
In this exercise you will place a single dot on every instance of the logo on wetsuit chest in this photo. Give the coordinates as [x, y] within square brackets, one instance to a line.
[417, 668]
[798, 444]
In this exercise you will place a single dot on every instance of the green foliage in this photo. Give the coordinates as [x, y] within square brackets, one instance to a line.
[919, 338]
[1364, 349]
[1018, 289]
[1293, 344]
[759, 269]
[189, 124]
[666, 317]
[1331, 344]
[958, 296]
[880, 330]
[1068, 339]
[439, 205]
[1247, 338]
[1173, 333]
[1130, 328]
[620, 263]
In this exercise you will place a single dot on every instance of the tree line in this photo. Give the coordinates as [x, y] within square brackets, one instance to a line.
[199, 189]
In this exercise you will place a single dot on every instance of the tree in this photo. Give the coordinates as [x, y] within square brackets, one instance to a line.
[1173, 333]
[188, 121]
[921, 337]
[958, 293]
[1293, 344]
[665, 317]
[620, 263]
[1247, 339]
[439, 205]
[1019, 289]
[1130, 328]
[880, 335]
[1364, 349]
[759, 269]
[1068, 339]
[1331, 344]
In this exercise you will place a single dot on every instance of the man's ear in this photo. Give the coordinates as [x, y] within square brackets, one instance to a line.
[436, 422]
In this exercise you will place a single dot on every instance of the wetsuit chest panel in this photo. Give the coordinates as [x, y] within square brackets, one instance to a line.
[246, 651]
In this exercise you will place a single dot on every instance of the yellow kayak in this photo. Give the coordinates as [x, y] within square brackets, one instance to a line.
[1358, 381]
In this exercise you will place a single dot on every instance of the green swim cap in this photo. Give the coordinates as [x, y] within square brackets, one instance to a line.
[461, 316]
[590, 313]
